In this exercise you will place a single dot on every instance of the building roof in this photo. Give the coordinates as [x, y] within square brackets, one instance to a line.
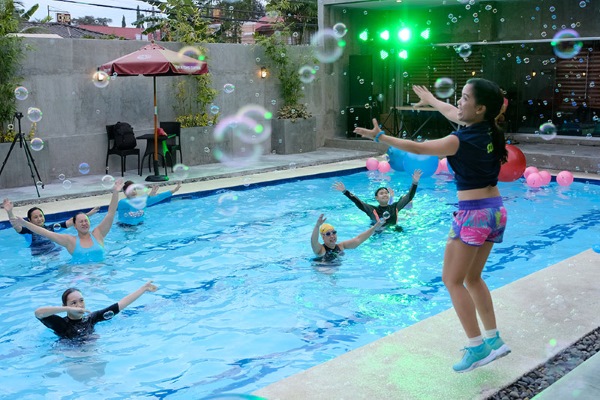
[62, 30]
[127, 33]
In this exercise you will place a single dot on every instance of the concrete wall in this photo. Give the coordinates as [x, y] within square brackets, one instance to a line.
[57, 73]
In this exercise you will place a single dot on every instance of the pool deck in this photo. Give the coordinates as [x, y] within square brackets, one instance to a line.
[559, 302]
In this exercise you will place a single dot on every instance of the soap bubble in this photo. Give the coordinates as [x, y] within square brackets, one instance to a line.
[328, 46]
[444, 88]
[548, 131]
[181, 171]
[84, 168]
[307, 74]
[137, 195]
[67, 184]
[386, 215]
[228, 88]
[566, 43]
[189, 59]
[108, 181]
[258, 131]
[56, 227]
[100, 79]
[34, 114]
[340, 29]
[21, 93]
[108, 315]
[37, 144]
[214, 109]
[464, 50]
[227, 204]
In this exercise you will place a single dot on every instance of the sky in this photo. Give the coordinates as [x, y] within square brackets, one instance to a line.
[81, 8]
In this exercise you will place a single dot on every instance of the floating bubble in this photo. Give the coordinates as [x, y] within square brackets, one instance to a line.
[189, 60]
[340, 29]
[261, 131]
[228, 88]
[37, 144]
[108, 181]
[34, 114]
[21, 93]
[67, 184]
[227, 204]
[566, 43]
[273, 102]
[207, 150]
[307, 74]
[548, 131]
[444, 88]
[464, 50]
[61, 177]
[214, 109]
[246, 149]
[108, 315]
[181, 171]
[56, 227]
[328, 46]
[84, 168]
[100, 79]
[137, 195]
[386, 215]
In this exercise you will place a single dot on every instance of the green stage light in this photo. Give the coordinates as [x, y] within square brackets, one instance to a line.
[425, 34]
[364, 35]
[404, 34]
[384, 54]
[385, 35]
[403, 54]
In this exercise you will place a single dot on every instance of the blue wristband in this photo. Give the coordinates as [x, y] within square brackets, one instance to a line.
[376, 138]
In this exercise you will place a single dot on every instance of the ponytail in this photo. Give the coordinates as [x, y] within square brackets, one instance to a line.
[488, 94]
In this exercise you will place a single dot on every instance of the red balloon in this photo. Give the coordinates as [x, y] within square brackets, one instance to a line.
[513, 169]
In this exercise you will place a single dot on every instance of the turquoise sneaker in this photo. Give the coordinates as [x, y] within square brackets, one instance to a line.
[499, 348]
[475, 357]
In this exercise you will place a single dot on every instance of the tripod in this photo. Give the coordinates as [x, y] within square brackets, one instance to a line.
[397, 122]
[30, 161]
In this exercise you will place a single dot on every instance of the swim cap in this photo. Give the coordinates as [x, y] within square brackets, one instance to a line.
[326, 228]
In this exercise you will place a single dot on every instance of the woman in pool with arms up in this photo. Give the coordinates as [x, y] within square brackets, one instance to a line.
[475, 153]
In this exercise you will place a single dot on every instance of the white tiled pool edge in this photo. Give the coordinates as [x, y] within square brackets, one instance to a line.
[415, 363]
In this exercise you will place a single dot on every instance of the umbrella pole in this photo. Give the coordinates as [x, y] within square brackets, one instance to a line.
[156, 177]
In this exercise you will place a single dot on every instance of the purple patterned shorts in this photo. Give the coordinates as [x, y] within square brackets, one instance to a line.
[479, 221]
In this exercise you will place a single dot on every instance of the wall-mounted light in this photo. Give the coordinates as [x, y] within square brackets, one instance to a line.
[263, 72]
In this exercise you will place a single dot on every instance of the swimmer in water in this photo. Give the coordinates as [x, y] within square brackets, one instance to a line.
[79, 322]
[331, 249]
[39, 244]
[383, 196]
[129, 214]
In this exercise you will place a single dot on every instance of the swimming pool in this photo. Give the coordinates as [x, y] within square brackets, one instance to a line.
[239, 304]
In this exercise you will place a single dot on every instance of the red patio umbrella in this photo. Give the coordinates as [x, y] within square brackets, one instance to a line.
[154, 60]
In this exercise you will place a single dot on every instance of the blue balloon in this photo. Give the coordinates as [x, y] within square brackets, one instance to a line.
[396, 156]
[596, 248]
[427, 164]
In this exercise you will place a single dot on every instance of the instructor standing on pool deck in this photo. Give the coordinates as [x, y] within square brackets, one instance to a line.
[475, 153]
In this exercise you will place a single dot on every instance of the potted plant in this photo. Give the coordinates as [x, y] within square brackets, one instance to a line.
[294, 130]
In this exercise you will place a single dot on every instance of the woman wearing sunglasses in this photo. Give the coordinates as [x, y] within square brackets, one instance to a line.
[330, 250]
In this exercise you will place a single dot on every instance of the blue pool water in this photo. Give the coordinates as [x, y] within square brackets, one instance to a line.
[240, 304]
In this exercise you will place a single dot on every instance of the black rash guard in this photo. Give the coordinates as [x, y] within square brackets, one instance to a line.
[68, 328]
[41, 244]
[375, 212]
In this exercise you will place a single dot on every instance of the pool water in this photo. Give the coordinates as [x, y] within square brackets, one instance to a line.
[240, 303]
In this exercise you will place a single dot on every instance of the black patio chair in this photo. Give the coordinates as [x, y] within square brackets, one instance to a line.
[111, 149]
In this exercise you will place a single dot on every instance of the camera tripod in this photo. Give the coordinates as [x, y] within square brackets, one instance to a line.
[25, 146]
[397, 121]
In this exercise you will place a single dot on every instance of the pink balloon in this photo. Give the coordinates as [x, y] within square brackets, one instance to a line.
[528, 171]
[384, 167]
[372, 164]
[443, 167]
[564, 178]
[546, 177]
[534, 180]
